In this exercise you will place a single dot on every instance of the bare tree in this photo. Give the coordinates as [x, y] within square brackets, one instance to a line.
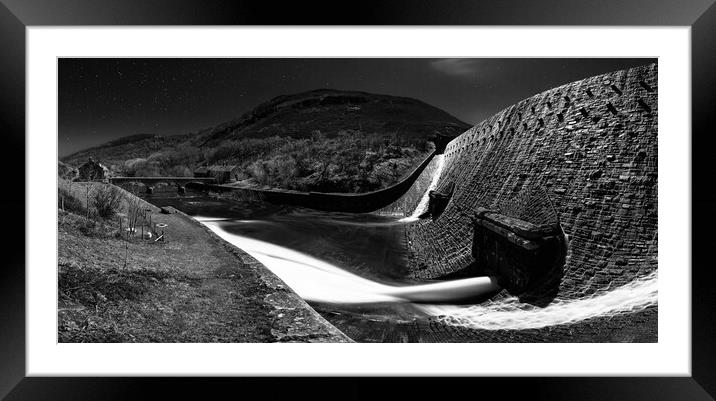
[106, 199]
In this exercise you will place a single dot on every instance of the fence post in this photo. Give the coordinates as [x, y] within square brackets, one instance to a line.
[87, 200]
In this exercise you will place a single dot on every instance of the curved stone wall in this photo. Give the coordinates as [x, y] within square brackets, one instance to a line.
[591, 145]
[410, 199]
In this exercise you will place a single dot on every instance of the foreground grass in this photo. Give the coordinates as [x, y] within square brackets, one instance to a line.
[186, 289]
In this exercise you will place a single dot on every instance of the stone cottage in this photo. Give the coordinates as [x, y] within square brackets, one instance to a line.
[93, 170]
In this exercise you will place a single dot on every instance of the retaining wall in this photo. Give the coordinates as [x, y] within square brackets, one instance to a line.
[407, 203]
[334, 202]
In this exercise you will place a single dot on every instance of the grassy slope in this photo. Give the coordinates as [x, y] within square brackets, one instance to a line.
[192, 288]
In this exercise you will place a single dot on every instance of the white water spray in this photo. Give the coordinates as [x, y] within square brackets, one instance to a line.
[320, 281]
[422, 206]
[316, 280]
[514, 315]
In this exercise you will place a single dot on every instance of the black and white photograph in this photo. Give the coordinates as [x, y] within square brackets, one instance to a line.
[367, 200]
[325, 200]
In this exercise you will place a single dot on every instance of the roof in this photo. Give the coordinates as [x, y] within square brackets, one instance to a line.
[92, 161]
[520, 227]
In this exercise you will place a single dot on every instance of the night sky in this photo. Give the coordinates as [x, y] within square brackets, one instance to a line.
[105, 99]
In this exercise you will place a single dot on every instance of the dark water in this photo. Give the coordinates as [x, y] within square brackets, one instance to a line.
[366, 245]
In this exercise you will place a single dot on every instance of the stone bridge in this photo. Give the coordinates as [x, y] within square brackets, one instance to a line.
[149, 181]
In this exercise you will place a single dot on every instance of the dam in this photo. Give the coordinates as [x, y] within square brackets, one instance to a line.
[410, 271]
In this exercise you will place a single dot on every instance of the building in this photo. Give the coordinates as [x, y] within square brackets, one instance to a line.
[222, 174]
[93, 170]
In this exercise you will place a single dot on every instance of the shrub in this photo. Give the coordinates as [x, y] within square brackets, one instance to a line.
[106, 200]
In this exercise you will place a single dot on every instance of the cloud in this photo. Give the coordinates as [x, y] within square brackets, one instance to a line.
[457, 67]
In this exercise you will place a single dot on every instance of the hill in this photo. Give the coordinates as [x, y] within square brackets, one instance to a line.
[332, 111]
[322, 140]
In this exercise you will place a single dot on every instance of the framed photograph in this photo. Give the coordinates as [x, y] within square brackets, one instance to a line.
[505, 192]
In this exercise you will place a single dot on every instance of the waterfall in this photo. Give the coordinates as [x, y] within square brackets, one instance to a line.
[422, 206]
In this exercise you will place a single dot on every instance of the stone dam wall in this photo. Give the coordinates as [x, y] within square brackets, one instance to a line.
[591, 147]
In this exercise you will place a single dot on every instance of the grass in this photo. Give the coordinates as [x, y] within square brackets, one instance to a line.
[189, 288]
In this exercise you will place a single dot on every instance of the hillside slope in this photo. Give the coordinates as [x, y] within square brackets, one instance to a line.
[332, 111]
[118, 151]
[321, 140]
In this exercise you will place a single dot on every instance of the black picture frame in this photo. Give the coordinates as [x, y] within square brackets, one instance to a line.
[16, 15]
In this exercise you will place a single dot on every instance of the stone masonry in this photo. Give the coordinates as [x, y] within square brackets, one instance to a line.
[591, 146]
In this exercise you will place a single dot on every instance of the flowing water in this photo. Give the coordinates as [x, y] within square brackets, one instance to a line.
[422, 206]
[352, 269]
